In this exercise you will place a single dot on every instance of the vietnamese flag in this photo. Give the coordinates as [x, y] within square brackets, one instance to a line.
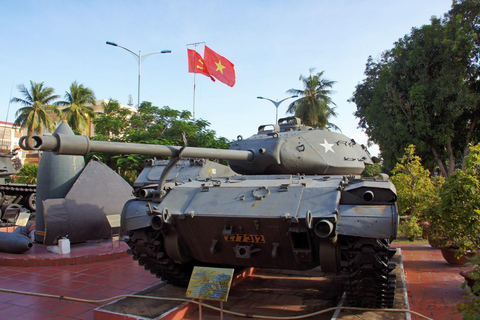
[219, 67]
[196, 64]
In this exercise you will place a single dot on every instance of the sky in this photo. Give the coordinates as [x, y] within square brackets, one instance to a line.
[271, 43]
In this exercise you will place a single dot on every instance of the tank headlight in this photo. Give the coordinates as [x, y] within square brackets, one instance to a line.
[368, 196]
[323, 228]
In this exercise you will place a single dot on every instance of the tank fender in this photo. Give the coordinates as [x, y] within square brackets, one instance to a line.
[371, 221]
[136, 214]
[173, 248]
[369, 192]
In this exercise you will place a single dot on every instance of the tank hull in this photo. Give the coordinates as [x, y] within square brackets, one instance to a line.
[278, 221]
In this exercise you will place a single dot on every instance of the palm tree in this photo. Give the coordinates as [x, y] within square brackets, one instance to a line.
[37, 101]
[77, 112]
[314, 109]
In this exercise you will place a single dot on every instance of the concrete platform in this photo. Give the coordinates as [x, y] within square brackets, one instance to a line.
[80, 253]
[275, 293]
[266, 292]
[433, 286]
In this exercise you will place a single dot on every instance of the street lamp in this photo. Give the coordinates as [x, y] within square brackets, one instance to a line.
[139, 57]
[277, 103]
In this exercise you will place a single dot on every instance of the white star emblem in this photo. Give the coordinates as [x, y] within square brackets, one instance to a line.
[327, 146]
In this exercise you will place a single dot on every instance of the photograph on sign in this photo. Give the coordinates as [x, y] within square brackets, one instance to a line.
[22, 219]
[210, 283]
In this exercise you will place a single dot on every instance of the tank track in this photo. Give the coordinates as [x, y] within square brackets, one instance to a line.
[366, 271]
[17, 191]
[146, 246]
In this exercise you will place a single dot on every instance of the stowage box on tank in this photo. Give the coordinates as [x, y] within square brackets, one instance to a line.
[298, 203]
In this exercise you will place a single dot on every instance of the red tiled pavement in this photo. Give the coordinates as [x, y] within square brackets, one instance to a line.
[433, 286]
[98, 280]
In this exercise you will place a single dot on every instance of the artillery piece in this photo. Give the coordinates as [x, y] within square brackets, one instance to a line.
[299, 203]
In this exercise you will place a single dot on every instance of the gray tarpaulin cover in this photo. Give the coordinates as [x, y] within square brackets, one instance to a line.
[81, 216]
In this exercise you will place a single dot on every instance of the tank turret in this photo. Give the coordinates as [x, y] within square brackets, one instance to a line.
[299, 202]
[292, 148]
[6, 165]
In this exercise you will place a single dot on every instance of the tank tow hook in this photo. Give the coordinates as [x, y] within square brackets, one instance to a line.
[244, 251]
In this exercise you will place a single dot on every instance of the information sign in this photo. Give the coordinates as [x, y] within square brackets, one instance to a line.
[114, 220]
[22, 219]
[210, 283]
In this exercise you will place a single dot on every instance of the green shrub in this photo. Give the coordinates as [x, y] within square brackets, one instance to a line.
[410, 228]
[416, 189]
[459, 208]
[471, 309]
[373, 170]
[28, 174]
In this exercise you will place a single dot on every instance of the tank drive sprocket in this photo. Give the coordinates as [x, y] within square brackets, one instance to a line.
[367, 272]
[146, 246]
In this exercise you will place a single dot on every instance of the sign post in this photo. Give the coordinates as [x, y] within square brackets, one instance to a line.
[210, 284]
[114, 222]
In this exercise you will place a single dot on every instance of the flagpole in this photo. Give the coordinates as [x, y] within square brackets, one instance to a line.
[194, 83]
[194, 76]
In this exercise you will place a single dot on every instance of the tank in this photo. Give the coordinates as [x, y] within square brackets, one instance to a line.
[12, 195]
[184, 170]
[298, 202]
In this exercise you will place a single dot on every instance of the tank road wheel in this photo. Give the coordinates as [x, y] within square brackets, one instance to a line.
[366, 271]
[30, 201]
[146, 246]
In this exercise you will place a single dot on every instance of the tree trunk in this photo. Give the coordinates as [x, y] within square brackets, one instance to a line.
[473, 124]
[439, 163]
[451, 158]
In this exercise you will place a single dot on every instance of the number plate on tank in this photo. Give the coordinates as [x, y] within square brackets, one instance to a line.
[251, 238]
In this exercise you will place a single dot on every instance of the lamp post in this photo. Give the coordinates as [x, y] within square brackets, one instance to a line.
[139, 57]
[277, 103]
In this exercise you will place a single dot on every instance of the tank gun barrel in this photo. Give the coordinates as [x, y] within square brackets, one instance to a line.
[82, 145]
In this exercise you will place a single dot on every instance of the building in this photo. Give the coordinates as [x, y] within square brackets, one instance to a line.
[9, 136]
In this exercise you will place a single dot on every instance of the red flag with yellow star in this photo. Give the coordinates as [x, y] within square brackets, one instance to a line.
[219, 67]
[196, 64]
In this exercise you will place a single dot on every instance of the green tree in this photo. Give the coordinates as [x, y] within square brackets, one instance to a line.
[416, 189]
[77, 113]
[37, 101]
[314, 107]
[113, 121]
[158, 126]
[418, 193]
[459, 207]
[373, 170]
[425, 91]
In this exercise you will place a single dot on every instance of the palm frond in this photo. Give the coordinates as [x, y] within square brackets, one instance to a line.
[313, 108]
[37, 101]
